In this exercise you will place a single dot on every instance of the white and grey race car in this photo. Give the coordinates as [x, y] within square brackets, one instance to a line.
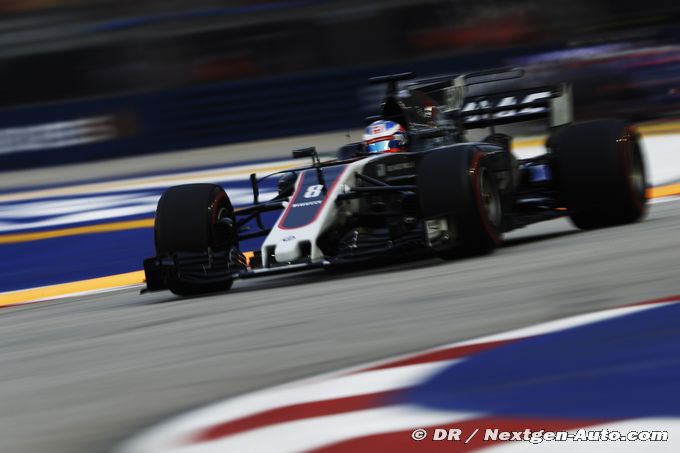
[446, 196]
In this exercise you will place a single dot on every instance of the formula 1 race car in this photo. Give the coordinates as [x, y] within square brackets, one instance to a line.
[444, 196]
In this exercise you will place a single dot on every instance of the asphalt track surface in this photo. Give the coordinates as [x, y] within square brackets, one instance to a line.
[82, 374]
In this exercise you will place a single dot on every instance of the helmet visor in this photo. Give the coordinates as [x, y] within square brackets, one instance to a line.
[387, 145]
[378, 147]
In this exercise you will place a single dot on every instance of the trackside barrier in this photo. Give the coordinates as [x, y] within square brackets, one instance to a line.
[209, 114]
[198, 116]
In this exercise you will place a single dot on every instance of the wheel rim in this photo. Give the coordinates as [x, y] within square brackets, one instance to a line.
[219, 209]
[222, 213]
[637, 172]
[490, 200]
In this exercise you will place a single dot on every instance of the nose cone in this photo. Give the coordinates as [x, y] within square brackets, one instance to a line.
[287, 250]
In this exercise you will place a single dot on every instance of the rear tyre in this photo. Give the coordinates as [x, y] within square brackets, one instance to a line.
[458, 183]
[600, 173]
[188, 220]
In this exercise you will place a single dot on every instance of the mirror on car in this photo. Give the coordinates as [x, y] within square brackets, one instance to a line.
[304, 152]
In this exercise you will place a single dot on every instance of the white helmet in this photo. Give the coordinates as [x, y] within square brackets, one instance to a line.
[384, 137]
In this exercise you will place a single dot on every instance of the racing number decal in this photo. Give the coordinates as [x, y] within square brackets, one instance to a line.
[313, 191]
[309, 198]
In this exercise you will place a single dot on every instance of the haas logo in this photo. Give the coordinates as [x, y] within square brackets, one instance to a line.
[504, 102]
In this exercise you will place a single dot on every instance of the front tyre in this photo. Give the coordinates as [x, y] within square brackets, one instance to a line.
[195, 220]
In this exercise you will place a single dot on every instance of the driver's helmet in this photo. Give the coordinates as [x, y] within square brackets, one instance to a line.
[384, 137]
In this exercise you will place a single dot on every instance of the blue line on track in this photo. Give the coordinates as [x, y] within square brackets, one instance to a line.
[67, 259]
[73, 258]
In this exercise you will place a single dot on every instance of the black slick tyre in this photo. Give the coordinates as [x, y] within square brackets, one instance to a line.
[600, 172]
[188, 220]
[458, 183]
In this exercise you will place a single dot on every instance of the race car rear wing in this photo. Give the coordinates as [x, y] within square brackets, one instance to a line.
[491, 98]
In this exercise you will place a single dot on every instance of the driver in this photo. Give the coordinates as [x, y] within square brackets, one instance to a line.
[384, 137]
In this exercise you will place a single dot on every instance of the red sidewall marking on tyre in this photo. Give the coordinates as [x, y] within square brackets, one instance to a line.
[474, 169]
